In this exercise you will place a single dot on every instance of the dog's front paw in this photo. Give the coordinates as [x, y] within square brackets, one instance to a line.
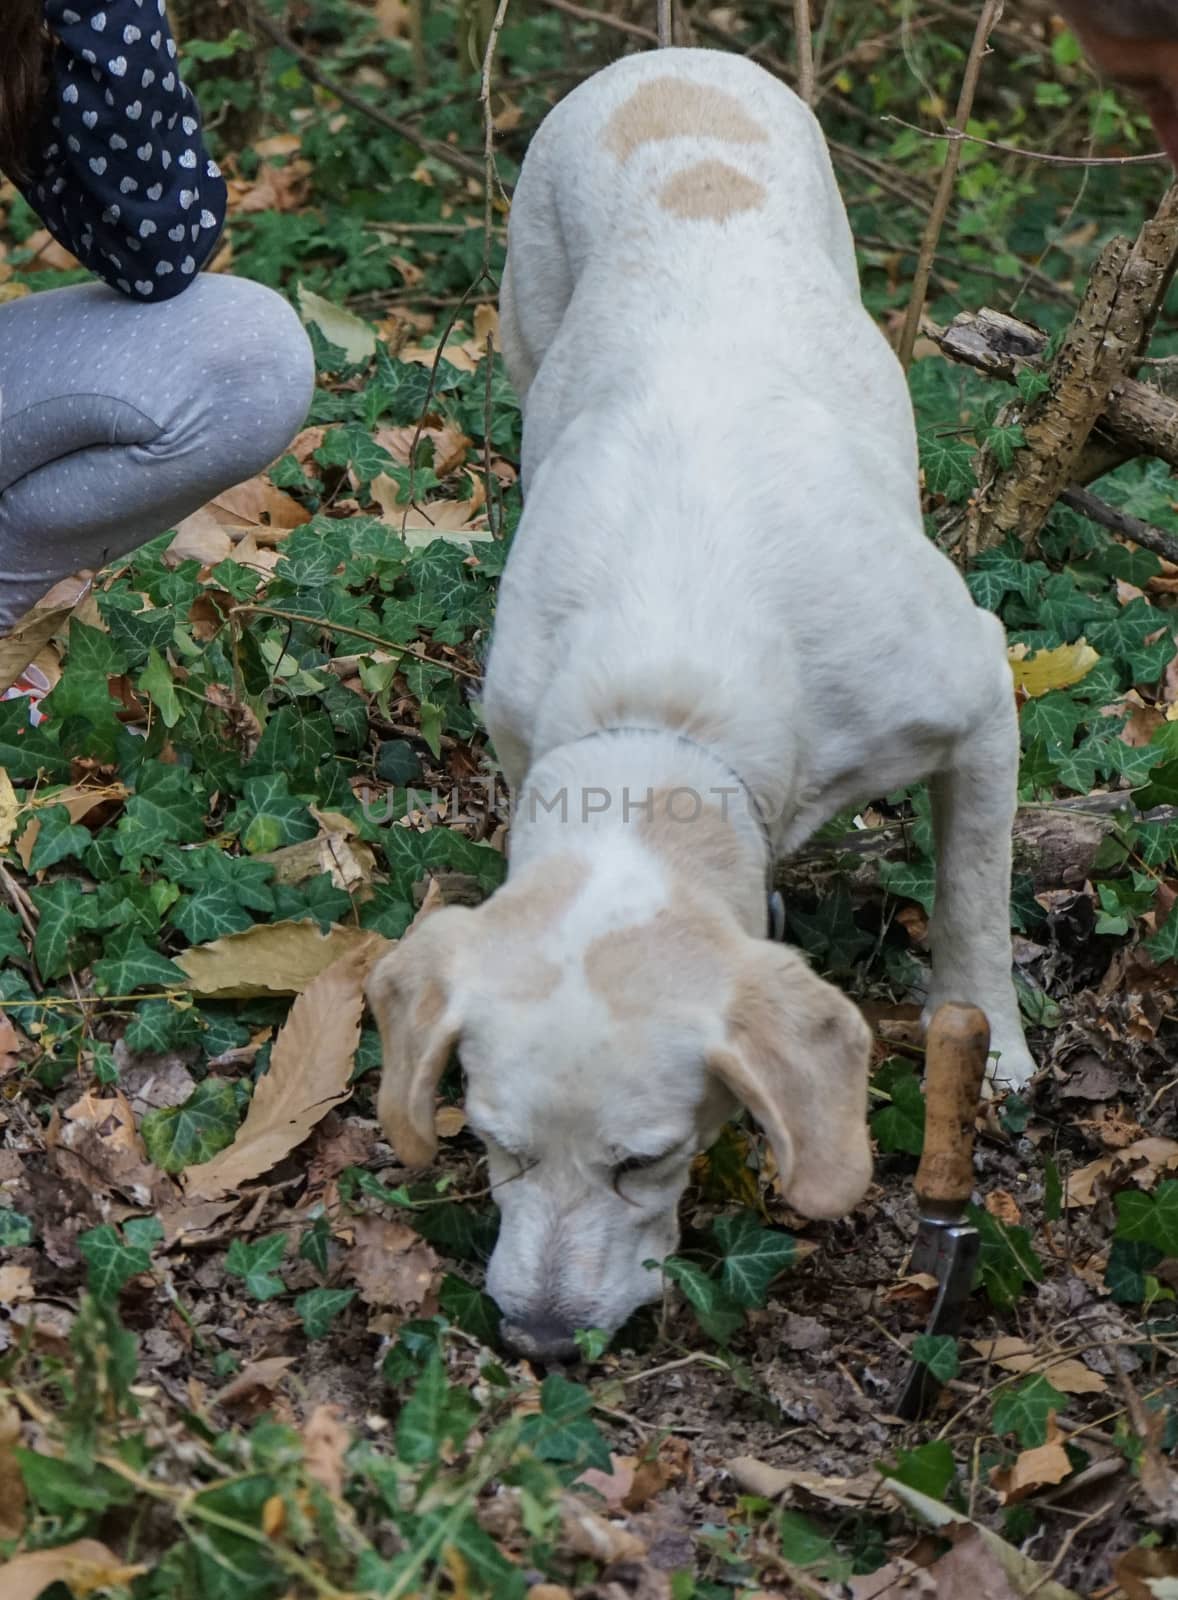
[1012, 1066]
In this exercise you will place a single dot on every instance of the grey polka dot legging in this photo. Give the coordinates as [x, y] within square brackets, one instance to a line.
[118, 419]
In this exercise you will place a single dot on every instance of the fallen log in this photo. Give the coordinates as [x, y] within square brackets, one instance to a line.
[1055, 844]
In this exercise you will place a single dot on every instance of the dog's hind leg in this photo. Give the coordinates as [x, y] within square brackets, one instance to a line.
[973, 802]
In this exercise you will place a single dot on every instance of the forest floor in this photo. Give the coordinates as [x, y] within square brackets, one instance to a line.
[242, 1351]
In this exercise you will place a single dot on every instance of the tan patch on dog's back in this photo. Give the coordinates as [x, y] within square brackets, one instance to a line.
[710, 191]
[677, 108]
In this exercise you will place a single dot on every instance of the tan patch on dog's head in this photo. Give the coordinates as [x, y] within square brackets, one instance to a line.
[534, 900]
[677, 953]
[520, 913]
[677, 108]
[710, 191]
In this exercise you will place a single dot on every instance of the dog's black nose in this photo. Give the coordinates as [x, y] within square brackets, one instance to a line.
[542, 1339]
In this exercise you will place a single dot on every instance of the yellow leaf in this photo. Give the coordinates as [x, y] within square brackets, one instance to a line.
[337, 325]
[84, 1567]
[309, 1072]
[271, 958]
[9, 809]
[1051, 669]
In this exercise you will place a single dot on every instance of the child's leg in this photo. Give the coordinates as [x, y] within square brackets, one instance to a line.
[118, 419]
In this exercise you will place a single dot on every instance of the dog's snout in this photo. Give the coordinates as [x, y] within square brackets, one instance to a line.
[543, 1339]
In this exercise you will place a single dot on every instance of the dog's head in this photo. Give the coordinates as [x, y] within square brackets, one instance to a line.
[606, 1027]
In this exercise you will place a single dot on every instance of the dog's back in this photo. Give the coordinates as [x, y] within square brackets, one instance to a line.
[685, 192]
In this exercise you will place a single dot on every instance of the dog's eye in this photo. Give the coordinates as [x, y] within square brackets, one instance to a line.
[638, 1164]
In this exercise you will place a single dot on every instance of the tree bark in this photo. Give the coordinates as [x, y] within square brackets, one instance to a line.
[235, 126]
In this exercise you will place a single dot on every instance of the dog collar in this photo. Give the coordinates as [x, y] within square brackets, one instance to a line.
[775, 910]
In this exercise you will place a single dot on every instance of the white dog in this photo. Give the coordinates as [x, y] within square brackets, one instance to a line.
[721, 623]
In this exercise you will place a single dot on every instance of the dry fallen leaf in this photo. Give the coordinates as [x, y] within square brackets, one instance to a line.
[12, 1483]
[84, 1566]
[1016, 1355]
[393, 1266]
[16, 1284]
[31, 634]
[1147, 1160]
[263, 1376]
[325, 1444]
[1001, 1203]
[310, 1066]
[270, 958]
[588, 1535]
[111, 1117]
[760, 1478]
[1140, 1568]
[1033, 1469]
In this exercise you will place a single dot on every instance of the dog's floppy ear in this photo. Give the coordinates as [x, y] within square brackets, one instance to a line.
[797, 1054]
[412, 995]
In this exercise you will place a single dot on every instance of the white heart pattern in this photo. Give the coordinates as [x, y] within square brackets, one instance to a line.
[134, 111]
[188, 266]
[146, 228]
[118, 66]
[187, 199]
[90, 118]
[127, 185]
[176, 234]
[98, 22]
[131, 33]
[155, 193]
[117, 142]
[98, 164]
[188, 159]
[144, 286]
[70, 94]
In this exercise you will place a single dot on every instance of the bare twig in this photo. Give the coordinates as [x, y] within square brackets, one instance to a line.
[991, 12]
[311, 69]
[666, 23]
[355, 633]
[804, 46]
[1069, 1540]
[1153, 158]
[1105, 516]
[604, 20]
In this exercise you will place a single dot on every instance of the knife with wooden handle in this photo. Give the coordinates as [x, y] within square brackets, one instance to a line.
[946, 1246]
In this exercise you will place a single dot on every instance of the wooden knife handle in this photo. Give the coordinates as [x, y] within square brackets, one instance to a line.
[955, 1064]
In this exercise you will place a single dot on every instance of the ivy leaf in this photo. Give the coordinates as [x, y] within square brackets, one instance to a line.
[156, 682]
[1024, 1409]
[947, 460]
[1007, 1260]
[469, 1309]
[258, 1262]
[435, 1414]
[1150, 1219]
[753, 1257]
[178, 1137]
[1130, 1261]
[136, 966]
[714, 1312]
[159, 1025]
[112, 1260]
[269, 816]
[15, 1229]
[11, 944]
[930, 1468]
[937, 1352]
[564, 1430]
[64, 911]
[318, 1308]
[899, 1127]
[314, 1244]
[1163, 945]
[910, 880]
[57, 838]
